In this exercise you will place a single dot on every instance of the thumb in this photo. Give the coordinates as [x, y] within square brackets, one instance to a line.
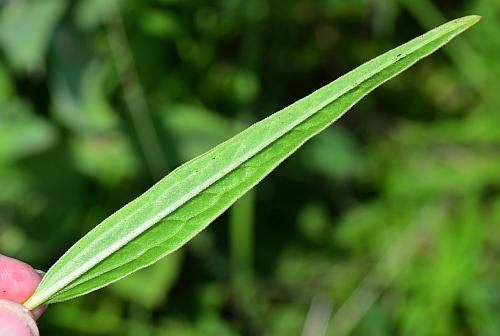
[15, 320]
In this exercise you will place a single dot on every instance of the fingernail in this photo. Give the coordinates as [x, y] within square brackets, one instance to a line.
[38, 311]
[40, 273]
[14, 321]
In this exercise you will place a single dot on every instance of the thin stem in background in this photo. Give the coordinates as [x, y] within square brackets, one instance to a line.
[318, 316]
[241, 224]
[399, 256]
[134, 96]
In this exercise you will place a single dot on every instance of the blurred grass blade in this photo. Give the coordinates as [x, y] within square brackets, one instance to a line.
[183, 203]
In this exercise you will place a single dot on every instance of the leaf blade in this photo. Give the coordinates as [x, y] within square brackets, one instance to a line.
[183, 203]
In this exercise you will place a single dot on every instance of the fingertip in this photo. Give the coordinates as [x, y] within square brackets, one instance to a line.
[18, 280]
[15, 320]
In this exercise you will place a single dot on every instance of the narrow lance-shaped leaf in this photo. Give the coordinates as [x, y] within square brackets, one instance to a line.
[183, 203]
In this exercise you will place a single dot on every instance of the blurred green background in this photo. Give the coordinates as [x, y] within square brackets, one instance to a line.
[388, 223]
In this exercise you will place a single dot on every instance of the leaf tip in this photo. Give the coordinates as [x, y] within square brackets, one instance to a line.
[470, 20]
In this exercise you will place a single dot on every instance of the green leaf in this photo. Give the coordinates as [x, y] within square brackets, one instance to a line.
[160, 278]
[22, 133]
[26, 28]
[183, 203]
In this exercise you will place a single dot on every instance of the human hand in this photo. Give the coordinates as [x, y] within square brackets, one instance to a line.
[18, 281]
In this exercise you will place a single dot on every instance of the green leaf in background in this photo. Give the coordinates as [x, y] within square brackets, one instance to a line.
[26, 28]
[196, 129]
[183, 203]
[22, 132]
[160, 278]
[344, 159]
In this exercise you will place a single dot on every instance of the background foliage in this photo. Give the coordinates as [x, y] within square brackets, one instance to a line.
[387, 223]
